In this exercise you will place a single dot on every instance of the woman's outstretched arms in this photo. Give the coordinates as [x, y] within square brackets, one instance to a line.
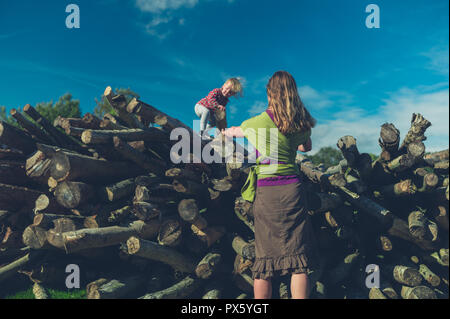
[234, 131]
[305, 147]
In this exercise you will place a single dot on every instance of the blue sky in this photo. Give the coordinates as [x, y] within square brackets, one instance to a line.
[173, 52]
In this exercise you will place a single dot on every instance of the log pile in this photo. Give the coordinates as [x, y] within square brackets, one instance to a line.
[105, 195]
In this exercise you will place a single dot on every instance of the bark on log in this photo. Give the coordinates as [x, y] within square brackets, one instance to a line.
[45, 221]
[12, 268]
[243, 248]
[11, 153]
[115, 288]
[209, 235]
[16, 197]
[14, 137]
[151, 134]
[35, 237]
[170, 233]
[429, 276]
[153, 251]
[119, 103]
[183, 174]
[146, 211]
[73, 194]
[436, 157]
[151, 114]
[389, 141]
[347, 145]
[107, 236]
[191, 188]
[420, 292]
[119, 190]
[151, 165]
[48, 204]
[405, 275]
[31, 128]
[182, 289]
[416, 133]
[417, 224]
[13, 173]
[70, 166]
[61, 138]
[207, 267]
[402, 188]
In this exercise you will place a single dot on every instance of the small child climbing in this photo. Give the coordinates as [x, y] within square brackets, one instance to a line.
[216, 101]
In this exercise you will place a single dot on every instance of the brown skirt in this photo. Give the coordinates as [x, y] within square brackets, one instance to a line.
[284, 237]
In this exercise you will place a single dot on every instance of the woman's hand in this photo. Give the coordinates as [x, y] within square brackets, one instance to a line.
[234, 131]
[305, 147]
[221, 107]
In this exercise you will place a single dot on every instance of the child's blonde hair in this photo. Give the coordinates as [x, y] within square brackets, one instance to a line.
[236, 86]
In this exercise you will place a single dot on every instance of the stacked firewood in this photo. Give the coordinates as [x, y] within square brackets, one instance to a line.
[107, 196]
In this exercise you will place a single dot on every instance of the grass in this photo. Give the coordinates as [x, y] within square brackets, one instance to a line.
[52, 293]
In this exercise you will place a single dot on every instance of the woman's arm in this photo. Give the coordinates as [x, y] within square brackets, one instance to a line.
[305, 147]
[234, 131]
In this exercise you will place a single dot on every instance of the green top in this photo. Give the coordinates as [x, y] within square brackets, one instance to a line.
[264, 135]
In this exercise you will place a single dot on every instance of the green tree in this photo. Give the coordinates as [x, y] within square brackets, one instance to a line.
[65, 107]
[329, 156]
[102, 105]
[4, 116]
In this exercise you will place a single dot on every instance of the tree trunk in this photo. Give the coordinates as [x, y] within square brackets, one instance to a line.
[31, 128]
[48, 204]
[389, 141]
[436, 157]
[429, 276]
[106, 136]
[70, 166]
[416, 133]
[14, 137]
[115, 288]
[243, 248]
[16, 197]
[119, 190]
[153, 251]
[61, 138]
[208, 265]
[420, 292]
[14, 173]
[152, 165]
[146, 211]
[182, 289]
[107, 236]
[403, 188]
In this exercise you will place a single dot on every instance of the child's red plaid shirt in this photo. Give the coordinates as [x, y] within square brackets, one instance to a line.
[214, 99]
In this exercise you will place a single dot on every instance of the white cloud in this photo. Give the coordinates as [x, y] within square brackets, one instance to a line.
[438, 59]
[158, 6]
[397, 109]
[257, 108]
[325, 99]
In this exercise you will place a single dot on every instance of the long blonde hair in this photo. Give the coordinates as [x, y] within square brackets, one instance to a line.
[290, 114]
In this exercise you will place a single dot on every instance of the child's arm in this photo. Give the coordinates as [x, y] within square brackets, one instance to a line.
[305, 147]
[234, 131]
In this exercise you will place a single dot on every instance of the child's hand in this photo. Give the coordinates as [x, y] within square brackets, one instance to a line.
[221, 107]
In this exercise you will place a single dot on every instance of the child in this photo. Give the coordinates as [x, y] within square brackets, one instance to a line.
[284, 237]
[217, 99]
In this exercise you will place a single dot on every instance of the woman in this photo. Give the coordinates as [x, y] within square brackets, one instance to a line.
[284, 238]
